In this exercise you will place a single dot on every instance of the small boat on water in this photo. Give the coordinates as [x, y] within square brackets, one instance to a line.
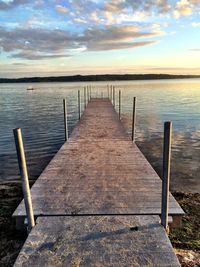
[30, 88]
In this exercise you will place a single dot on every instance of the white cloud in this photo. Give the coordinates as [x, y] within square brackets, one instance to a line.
[35, 43]
[80, 20]
[195, 24]
[183, 8]
[62, 9]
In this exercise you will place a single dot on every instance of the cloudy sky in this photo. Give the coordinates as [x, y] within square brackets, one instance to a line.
[59, 37]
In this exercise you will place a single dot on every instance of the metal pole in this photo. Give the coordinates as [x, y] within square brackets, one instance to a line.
[65, 119]
[166, 173]
[88, 96]
[119, 104]
[113, 96]
[134, 119]
[85, 97]
[24, 177]
[79, 105]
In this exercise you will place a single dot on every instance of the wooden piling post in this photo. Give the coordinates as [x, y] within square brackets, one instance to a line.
[87, 95]
[166, 173]
[84, 97]
[134, 119]
[24, 177]
[108, 91]
[113, 96]
[90, 92]
[65, 119]
[119, 104]
[79, 105]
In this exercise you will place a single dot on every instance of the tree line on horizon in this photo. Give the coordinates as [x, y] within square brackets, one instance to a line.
[95, 78]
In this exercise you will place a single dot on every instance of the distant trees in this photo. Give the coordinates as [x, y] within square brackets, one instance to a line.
[94, 78]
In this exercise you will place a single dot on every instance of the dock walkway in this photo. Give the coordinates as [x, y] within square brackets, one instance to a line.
[83, 195]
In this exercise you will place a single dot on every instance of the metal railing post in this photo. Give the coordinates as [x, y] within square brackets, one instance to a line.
[65, 119]
[166, 173]
[24, 177]
[134, 119]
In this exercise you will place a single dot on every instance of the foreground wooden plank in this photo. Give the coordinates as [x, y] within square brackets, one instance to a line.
[98, 177]
[97, 241]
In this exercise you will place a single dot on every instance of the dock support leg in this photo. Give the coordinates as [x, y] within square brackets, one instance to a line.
[119, 104]
[79, 105]
[65, 119]
[113, 96]
[134, 119]
[176, 221]
[88, 94]
[84, 97]
[166, 174]
[24, 177]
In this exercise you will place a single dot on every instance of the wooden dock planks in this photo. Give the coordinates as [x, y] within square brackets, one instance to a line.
[84, 195]
[97, 241]
[99, 171]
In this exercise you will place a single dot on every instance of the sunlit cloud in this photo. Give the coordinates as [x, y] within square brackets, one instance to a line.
[40, 44]
[62, 9]
[183, 8]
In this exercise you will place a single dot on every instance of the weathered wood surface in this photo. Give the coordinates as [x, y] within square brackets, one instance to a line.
[97, 241]
[99, 171]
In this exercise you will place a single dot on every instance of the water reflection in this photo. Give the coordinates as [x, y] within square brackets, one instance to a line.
[185, 165]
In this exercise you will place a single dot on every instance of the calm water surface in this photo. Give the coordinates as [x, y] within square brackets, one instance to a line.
[39, 114]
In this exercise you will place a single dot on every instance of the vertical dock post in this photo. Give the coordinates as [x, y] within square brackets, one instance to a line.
[88, 96]
[119, 104]
[133, 119]
[79, 105]
[108, 91]
[166, 173]
[113, 96]
[90, 92]
[24, 177]
[65, 119]
[84, 97]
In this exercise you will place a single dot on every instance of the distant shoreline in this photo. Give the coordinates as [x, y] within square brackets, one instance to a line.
[97, 78]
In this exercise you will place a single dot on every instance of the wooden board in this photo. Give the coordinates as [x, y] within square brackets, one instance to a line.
[97, 241]
[99, 171]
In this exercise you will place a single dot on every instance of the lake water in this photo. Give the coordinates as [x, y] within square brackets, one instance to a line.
[40, 115]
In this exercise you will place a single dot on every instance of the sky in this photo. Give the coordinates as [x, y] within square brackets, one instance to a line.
[59, 37]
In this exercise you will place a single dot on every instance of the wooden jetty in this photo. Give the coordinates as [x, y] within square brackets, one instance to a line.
[98, 201]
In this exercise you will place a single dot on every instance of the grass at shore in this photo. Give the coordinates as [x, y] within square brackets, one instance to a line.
[186, 240]
[188, 236]
[11, 240]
